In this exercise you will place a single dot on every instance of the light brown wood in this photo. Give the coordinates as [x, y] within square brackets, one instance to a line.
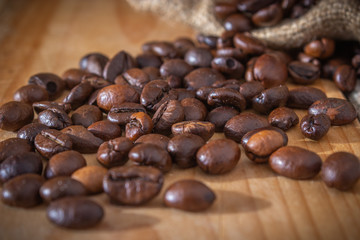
[252, 202]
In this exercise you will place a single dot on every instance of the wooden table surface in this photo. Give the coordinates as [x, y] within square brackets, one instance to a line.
[252, 202]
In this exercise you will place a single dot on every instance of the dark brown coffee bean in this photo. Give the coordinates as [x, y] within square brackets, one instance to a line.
[164, 49]
[174, 81]
[270, 99]
[13, 146]
[237, 22]
[105, 130]
[22, 191]
[30, 94]
[303, 73]
[341, 170]
[228, 66]
[30, 131]
[140, 124]
[136, 77]
[74, 76]
[202, 77]
[60, 187]
[268, 16]
[207, 41]
[151, 155]
[345, 78]
[302, 57]
[53, 84]
[96, 82]
[303, 97]
[230, 83]
[182, 45]
[50, 142]
[220, 115]
[203, 93]
[21, 163]
[322, 48]
[94, 63]
[253, 6]
[201, 128]
[91, 177]
[133, 185]
[120, 114]
[340, 111]
[148, 60]
[83, 140]
[183, 148]
[249, 72]
[283, 118]
[315, 126]
[193, 109]
[15, 115]
[78, 95]
[116, 94]
[225, 40]
[64, 164]
[44, 105]
[249, 90]
[248, 44]
[189, 195]
[86, 115]
[224, 9]
[169, 113]
[198, 57]
[270, 71]
[183, 93]
[236, 53]
[175, 67]
[226, 96]
[54, 118]
[295, 162]
[153, 93]
[114, 152]
[156, 139]
[75, 213]
[287, 5]
[218, 156]
[117, 65]
[259, 144]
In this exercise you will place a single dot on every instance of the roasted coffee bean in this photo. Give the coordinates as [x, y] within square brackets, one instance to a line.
[315, 126]
[218, 156]
[30, 94]
[30, 131]
[295, 162]
[64, 164]
[225, 40]
[175, 67]
[156, 139]
[53, 84]
[224, 9]
[201, 128]
[302, 57]
[116, 94]
[86, 115]
[303, 97]
[174, 81]
[270, 71]
[236, 53]
[136, 77]
[259, 144]
[341, 170]
[148, 60]
[248, 44]
[155, 93]
[83, 140]
[249, 90]
[50, 142]
[114, 152]
[249, 72]
[182, 45]
[230, 83]
[340, 111]
[228, 66]
[169, 113]
[322, 48]
[78, 95]
[183, 93]
[15, 115]
[44, 105]
[105, 130]
[91, 177]
[226, 96]
[22, 191]
[345, 78]
[132, 185]
[60, 187]
[189, 195]
[202, 77]
[140, 124]
[203, 93]
[75, 213]
[54, 118]
[193, 109]
[330, 66]
[270, 99]
[253, 6]
[74, 76]
[303, 73]
[164, 49]
[151, 155]
[268, 16]
[220, 115]
[117, 65]
[283, 118]
[96, 82]
[183, 148]
[94, 63]
[198, 57]
[13, 146]
[237, 22]
[120, 114]
[21, 163]
[208, 41]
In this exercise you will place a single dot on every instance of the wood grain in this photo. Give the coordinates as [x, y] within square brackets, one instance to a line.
[252, 202]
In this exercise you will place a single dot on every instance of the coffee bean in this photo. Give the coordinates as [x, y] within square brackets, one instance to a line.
[202, 77]
[86, 115]
[30, 131]
[74, 76]
[207, 41]
[15, 115]
[50, 142]
[60, 187]
[201, 128]
[283, 118]
[189, 195]
[183, 93]
[64, 164]
[174, 81]
[218, 156]
[315, 126]
[105, 130]
[83, 140]
[303, 97]
[132, 185]
[203, 93]
[270, 99]
[259, 144]
[44, 105]
[156, 139]
[164, 49]
[220, 115]
[78, 95]
[140, 124]
[303, 73]
[96, 82]
[248, 44]
[295, 162]
[253, 6]
[94, 63]
[120, 114]
[341, 170]
[175, 67]
[235, 53]
[270, 71]
[30, 94]
[91, 177]
[53, 84]
[228, 66]
[230, 83]
[182, 45]
[151, 155]
[114, 152]
[148, 60]
[153, 93]
[117, 65]
[193, 109]
[75, 213]
[21, 163]
[268, 16]
[249, 90]
[237, 22]
[224, 9]
[226, 96]
[340, 111]
[330, 66]
[198, 57]
[302, 57]
[22, 191]
[225, 40]
[54, 118]
[169, 113]
[322, 48]
[136, 77]
[345, 78]
[13, 146]
[249, 72]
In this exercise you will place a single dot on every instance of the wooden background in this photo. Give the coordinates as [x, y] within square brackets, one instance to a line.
[252, 202]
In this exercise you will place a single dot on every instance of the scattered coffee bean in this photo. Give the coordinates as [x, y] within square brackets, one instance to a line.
[114, 152]
[116, 94]
[270, 99]
[91, 177]
[54, 118]
[83, 140]
[315, 126]
[120, 114]
[198, 57]
[183, 44]
[148, 60]
[345, 78]
[237, 22]
[228, 97]
[94, 63]
[13, 146]
[74, 76]
[78, 95]
[53, 84]
[303, 97]
[15, 115]
[283, 118]
[105, 130]
[248, 44]
[201, 128]
[44, 105]
[140, 124]
[303, 73]
[30, 131]
[249, 90]
[322, 48]
[117, 65]
[202, 77]
[136, 77]
[220, 115]
[64, 164]
[268, 16]
[30, 94]
[153, 138]
[229, 66]
[60, 187]
[193, 109]
[175, 67]
[50, 142]
[169, 113]
[86, 115]
[96, 82]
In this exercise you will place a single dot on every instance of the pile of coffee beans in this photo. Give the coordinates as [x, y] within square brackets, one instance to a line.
[141, 115]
